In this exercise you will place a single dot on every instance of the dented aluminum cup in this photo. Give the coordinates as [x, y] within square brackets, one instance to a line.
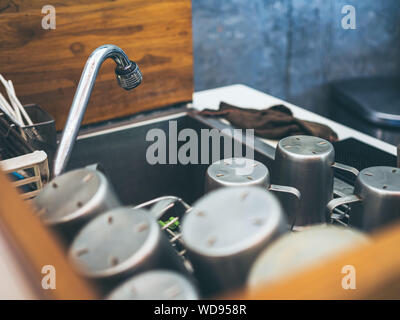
[242, 172]
[376, 199]
[156, 285]
[298, 251]
[70, 200]
[226, 230]
[307, 163]
[121, 243]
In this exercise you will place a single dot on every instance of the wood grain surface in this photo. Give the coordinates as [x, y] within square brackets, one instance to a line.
[46, 65]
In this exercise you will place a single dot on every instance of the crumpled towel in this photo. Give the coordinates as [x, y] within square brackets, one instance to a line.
[274, 123]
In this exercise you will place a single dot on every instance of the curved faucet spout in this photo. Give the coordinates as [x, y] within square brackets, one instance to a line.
[128, 77]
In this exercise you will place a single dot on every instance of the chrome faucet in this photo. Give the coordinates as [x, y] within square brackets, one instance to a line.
[128, 77]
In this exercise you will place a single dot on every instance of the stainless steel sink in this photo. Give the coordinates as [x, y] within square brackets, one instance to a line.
[120, 147]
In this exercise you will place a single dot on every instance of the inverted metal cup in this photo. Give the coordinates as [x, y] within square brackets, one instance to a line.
[242, 172]
[155, 285]
[297, 251]
[121, 243]
[306, 163]
[226, 230]
[376, 199]
[70, 200]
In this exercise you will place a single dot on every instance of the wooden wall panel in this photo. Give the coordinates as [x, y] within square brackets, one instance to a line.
[45, 65]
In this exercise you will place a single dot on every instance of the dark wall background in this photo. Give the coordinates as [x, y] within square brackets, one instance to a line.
[293, 48]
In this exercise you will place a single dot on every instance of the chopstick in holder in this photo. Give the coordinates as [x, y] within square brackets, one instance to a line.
[8, 110]
[14, 99]
[5, 105]
[16, 108]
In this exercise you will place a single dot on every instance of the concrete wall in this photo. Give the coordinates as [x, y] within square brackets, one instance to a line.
[293, 48]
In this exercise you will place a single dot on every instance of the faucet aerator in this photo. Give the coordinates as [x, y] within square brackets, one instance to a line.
[129, 78]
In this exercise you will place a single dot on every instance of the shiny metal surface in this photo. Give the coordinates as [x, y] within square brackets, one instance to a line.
[226, 230]
[296, 251]
[376, 198]
[155, 285]
[236, 172]
[168, 214]
[128, 76]
[242, 172]
[70, 200]
[120, 243]
[161, 207]
[306, 163]
[374, 99]
[162, 204]
[116, 145]
[344, 167]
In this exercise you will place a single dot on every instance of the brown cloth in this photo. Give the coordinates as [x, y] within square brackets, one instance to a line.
[275, 123]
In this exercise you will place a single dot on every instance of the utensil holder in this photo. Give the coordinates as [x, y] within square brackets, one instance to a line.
[42, 135]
